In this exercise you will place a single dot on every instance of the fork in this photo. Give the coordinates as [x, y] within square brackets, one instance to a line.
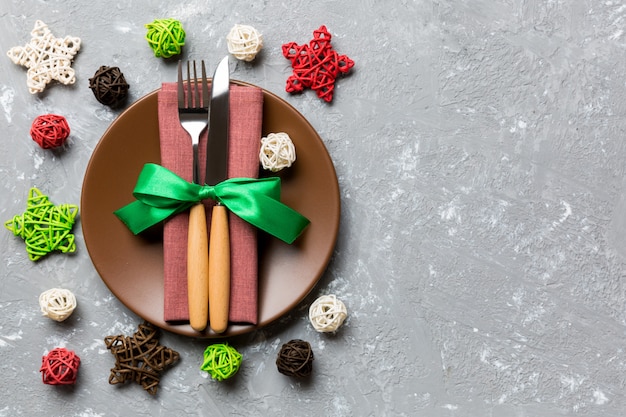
[193, 113]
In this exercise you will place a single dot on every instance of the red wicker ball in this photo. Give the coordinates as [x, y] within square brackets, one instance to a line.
[50, 130]
[60, 367]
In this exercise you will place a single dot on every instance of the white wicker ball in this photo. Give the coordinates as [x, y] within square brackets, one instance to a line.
[277, 151]
[57, 303]
[244, 42]
[327, 313]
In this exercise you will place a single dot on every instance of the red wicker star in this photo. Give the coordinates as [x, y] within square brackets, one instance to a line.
[316, 65]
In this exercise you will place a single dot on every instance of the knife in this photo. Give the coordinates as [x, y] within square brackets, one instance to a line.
[216, 172]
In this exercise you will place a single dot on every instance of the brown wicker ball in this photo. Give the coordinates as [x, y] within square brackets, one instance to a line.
[295, 359]
[109, 86]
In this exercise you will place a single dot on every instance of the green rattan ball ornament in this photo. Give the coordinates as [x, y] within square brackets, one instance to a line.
[221, 361]
[166, 37]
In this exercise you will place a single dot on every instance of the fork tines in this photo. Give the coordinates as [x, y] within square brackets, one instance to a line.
[196, 98]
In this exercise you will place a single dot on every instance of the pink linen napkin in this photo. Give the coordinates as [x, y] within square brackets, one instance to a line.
[246, 116]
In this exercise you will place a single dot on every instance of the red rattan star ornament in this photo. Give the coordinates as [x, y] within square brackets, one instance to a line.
[316, 65]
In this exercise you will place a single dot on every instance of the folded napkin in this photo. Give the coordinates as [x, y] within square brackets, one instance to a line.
[246, 114]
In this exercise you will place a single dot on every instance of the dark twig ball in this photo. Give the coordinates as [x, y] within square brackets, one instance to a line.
[295, 359]
[109, 86]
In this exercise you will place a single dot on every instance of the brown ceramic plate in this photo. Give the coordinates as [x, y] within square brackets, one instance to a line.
[132, 266]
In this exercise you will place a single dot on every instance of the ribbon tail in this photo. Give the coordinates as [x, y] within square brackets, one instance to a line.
[280, 221]
[138, 216]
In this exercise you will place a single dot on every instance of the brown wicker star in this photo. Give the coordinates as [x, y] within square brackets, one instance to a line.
[139, 358]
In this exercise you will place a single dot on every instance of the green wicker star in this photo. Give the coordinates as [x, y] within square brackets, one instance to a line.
[44, 226]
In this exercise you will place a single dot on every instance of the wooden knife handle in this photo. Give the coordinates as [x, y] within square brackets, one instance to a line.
[198, 268]
[219, 270]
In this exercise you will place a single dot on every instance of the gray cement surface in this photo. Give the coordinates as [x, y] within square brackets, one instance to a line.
[479, 147]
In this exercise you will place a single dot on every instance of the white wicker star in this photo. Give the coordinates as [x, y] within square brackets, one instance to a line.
[46, 57]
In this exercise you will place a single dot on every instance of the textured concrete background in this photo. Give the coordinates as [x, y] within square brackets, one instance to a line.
[480, 152]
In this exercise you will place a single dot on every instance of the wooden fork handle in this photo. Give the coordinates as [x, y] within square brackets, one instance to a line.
[219, 270]
[198, 268]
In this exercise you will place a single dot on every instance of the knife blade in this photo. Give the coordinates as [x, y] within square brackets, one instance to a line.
[216, 172]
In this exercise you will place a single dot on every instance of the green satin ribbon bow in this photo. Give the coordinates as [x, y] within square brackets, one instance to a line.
[160, 193]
